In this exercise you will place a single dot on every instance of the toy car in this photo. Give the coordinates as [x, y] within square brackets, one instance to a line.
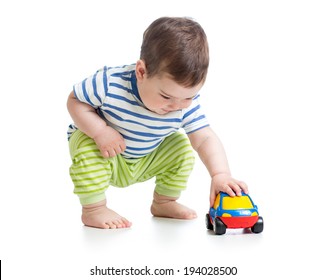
[233, 212]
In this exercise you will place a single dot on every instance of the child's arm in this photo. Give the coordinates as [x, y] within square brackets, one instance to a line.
[108, 140]
[212, 154]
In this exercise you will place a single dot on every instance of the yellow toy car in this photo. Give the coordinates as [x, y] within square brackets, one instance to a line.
[233, 212]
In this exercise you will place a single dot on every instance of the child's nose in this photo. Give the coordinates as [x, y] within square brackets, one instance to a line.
[175, 105]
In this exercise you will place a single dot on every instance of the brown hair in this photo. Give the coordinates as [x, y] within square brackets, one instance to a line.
[177, 46]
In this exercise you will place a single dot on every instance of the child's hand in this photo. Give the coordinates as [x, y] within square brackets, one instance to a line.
[110, 142]
[223, 182]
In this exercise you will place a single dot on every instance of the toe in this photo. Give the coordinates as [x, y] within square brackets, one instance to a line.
[111, 225]
[126, 223]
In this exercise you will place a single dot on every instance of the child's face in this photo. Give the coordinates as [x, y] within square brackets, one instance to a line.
[163, 95]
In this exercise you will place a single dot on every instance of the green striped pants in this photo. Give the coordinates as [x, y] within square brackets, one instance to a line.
[171, 163]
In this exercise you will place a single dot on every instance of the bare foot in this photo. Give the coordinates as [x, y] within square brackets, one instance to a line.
[99, 216]
[165, 206]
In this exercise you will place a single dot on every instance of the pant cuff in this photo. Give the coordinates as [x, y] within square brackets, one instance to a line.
[167, 192]
[91, 199]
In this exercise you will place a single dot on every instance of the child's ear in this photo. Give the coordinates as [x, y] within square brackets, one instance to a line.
[140, 70]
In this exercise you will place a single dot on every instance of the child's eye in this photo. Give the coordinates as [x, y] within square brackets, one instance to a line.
[165, 97]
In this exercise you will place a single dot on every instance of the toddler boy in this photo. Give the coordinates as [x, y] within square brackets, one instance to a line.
[127, 121]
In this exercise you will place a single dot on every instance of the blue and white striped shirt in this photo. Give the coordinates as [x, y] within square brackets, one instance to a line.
[113, 92]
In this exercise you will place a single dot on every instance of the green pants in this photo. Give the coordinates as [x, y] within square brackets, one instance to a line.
[171, 163]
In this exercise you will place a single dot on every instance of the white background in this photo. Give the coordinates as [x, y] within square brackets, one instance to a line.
[263, 97]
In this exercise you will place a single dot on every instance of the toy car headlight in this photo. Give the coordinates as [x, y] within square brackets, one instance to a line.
[226, 215]
[254, 214]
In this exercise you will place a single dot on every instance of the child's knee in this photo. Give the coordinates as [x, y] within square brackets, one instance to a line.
[78, 141]
[185, 153]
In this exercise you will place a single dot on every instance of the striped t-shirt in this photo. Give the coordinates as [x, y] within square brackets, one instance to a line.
[113, 92]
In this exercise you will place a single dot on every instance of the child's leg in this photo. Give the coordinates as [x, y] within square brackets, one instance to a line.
[91, 175]
[172, 164]
[168, 207]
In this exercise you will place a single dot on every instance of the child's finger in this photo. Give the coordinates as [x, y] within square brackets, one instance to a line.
[243, 186]
[230, 190]
[213, 196]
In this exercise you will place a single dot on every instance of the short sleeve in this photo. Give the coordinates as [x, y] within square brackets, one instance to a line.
[93, 89]
[194, 118]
